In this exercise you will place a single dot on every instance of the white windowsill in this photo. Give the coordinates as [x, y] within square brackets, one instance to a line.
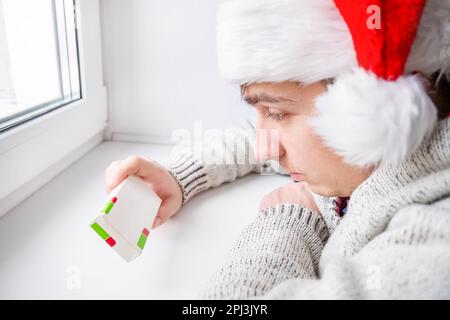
[46, 240]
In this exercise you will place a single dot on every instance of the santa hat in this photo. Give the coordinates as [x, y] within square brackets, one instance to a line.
[377, 111]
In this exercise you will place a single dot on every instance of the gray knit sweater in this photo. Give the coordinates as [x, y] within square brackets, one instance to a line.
[393, 242]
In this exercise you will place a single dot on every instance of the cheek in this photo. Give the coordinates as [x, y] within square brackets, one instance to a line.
[307, 150]
[299, 141]
[295, 156]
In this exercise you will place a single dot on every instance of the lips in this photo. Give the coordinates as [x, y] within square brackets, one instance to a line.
[298, 177]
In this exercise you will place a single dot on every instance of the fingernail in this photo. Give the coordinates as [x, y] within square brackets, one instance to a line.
[157, 222]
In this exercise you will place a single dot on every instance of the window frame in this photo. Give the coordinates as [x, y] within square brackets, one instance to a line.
[68, 71]
[29, 151]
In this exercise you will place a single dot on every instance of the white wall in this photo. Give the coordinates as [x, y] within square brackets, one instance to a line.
[160, 68]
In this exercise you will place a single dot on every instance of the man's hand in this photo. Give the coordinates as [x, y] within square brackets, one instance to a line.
[155, 175]
[293, 193]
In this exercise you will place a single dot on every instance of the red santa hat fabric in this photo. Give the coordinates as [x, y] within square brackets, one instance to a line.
[377, 111]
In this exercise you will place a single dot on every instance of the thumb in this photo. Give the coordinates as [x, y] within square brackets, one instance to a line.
[168, 208]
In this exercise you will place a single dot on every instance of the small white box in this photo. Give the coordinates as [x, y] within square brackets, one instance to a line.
[126, 218]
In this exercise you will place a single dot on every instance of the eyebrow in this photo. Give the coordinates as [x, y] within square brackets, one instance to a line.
[254, 99]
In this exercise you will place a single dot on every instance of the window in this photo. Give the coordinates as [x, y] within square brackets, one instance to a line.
[44, 136]
[39, 59]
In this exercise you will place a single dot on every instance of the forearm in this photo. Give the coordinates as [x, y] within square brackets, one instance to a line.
[277, 258]
[282, 243]
[223, 157]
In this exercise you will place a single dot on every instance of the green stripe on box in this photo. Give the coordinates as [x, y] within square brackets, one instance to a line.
[100, 231]
[108, 207]
[141, 241]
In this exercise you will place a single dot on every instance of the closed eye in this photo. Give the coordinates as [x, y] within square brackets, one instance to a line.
[275, 116]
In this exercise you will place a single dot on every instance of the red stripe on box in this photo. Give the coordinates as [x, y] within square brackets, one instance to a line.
[146, 232]
[114, 199]
[111, 242]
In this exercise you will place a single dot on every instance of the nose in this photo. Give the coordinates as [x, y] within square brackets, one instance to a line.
[268, 143]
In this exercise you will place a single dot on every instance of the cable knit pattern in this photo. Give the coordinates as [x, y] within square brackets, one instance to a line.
[195, 172]
[277, 245]
[393, 242]
[326, 208]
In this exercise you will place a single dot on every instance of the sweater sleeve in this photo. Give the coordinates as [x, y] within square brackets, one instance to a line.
[277, 258]
[221, 157]
[284, 242]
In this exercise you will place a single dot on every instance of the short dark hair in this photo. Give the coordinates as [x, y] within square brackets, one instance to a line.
[438, 88]
[439, 92]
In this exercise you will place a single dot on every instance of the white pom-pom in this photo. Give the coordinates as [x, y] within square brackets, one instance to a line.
[371, 121]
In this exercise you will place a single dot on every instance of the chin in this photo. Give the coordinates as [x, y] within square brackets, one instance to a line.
[324, 190]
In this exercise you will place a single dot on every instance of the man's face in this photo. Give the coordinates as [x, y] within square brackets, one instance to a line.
[286, 108]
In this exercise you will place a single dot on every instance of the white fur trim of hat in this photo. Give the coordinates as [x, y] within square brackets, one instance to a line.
[377, 111]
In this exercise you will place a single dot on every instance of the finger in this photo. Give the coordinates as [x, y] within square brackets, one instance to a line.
[119, 171]
[263, 204]
[166, 210]
[140, 167]
[156, 222]
[301, 194]
[267, 201]
[114, 163]
[109, 175]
